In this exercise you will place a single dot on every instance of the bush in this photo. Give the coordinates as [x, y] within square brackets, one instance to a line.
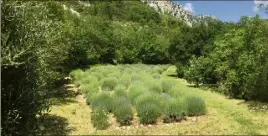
[148, 108]
[124, 114]
[175, 110]
[176, 92]
[122, 110]
[158, 70]
[32, 52]
[85, 88]
[120, 91]
[124, 80]
[98, 75]
[90, 90]
[156, 76]
[195, 106]
[86, 79]
[99, 119]
[76, 74]
[154, 86]
[180, 70]
[135, 78]
[135, 91]
[101, 100]
[109, 83]
[167, 84]
[148, 113]
[116, 74]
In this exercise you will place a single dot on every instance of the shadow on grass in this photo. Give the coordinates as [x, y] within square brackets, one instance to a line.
[55, 125]
[256, 106]
[172, 75]
[62, 94]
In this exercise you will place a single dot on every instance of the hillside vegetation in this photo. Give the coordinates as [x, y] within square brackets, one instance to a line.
[41, 42]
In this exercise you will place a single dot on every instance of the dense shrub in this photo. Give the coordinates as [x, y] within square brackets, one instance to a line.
[135, 78]
[158, 69]
[167, 84]
[124, 114]
[92, 87]
[148, 113]
[180, 70]
[120, 91]
[88, 79]
[122, 109]
[98, 75]
[177, 92]
[154, 86]
[101, 100]
[106, 72]
[148, 108]
[195, 106]
[99, 119]
[156, 76]
[176, 110]
[119, 100]
[124, 80]
[116, 74]
[76, 74]
[108, 83]
[33, 50]
[135, 91]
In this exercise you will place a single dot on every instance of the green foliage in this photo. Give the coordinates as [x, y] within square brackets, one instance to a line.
[33, 50]
[120, 91]
[148, 108]
[175, 111]
[41, 42]
[237, 61]
[122, 109]
[176, 92]
[195, 106]
[108, 83]
[87, 79]
[124, 80]
[154, 85]
[135, 91]
[116, 74]
[180, 70]
[92, 87]
[201, 70]
[98, 75]
[124, 114]
[156, 76]
[158, 69]
[101, 100]
[76, 74]
[167, 84]
[99, 119]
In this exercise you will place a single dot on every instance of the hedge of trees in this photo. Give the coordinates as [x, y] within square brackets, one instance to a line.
[238, 61]
[41, 41]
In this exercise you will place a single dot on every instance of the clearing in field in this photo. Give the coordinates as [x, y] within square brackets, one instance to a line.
[144, 99]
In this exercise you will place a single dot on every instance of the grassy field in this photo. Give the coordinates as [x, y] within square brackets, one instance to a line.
[71, 116]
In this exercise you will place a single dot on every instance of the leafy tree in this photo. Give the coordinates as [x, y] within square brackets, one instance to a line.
[32, 55]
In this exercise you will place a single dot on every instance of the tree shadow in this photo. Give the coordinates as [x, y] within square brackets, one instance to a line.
[172, 75]
[63, 94]
[54, 125]
[256, 106]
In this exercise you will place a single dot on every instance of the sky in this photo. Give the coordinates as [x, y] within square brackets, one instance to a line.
[225, 10]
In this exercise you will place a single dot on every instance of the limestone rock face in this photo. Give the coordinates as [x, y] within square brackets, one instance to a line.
[176, 10]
